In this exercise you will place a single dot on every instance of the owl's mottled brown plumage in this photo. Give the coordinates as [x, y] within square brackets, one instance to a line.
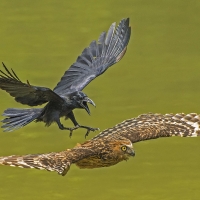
[112, 145]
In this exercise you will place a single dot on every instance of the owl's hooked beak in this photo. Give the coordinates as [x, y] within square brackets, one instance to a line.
[130, 149]
[131, 152]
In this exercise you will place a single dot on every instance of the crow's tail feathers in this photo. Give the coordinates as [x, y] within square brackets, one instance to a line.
[17, 118]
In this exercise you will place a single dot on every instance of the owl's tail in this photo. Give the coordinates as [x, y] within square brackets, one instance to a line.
[17, 118]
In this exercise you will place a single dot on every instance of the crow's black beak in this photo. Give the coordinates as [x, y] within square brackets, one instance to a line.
[84, 104]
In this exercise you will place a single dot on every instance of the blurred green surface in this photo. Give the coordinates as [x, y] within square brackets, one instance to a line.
[159, 73]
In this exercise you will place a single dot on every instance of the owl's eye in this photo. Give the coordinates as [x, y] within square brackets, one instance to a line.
[123, 148]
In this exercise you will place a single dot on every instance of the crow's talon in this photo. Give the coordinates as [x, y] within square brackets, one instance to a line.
[70, 134]
[95, 129]
[87, 133]
[91, 129]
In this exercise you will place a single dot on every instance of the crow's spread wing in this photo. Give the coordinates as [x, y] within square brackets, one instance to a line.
[24, 92]
[96, 58]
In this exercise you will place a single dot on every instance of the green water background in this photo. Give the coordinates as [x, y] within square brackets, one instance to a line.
[159, 73]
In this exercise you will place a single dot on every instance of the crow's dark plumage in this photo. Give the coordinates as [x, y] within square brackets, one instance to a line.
[67, 95]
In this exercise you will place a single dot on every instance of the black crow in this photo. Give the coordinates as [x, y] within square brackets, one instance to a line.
[67, 95]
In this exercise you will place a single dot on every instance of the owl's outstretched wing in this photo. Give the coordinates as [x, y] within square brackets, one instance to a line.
[25, 93]
[96, 58]
[59, 162]
[106, 148]
[151, 126]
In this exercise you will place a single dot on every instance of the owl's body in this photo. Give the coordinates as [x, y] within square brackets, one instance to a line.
[112, 145]
[91, 154]
[108, 153]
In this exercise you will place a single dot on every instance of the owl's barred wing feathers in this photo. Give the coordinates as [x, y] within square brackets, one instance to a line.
[151, 126]
[49, 162]
[113, 145]
[59, 162]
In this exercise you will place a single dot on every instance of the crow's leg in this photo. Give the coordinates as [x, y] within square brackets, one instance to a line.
[76, 125]
[72, 117]
[66, 128]
[61, 125]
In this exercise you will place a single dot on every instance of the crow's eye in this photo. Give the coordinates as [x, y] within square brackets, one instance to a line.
[80, 97]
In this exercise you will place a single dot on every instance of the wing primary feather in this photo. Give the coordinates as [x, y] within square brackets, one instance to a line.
[5, 75]
[90, 54]
[110, 38]
[102, 42]
[8, 72]
[15, 74]
[110, 33]
[102, 37]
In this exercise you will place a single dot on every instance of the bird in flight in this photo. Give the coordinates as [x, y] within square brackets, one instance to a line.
[112, 145]
[67, 95]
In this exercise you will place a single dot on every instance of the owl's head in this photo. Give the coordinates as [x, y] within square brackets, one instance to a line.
[122, 148]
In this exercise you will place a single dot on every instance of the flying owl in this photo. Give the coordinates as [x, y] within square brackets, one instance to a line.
[112, 145]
